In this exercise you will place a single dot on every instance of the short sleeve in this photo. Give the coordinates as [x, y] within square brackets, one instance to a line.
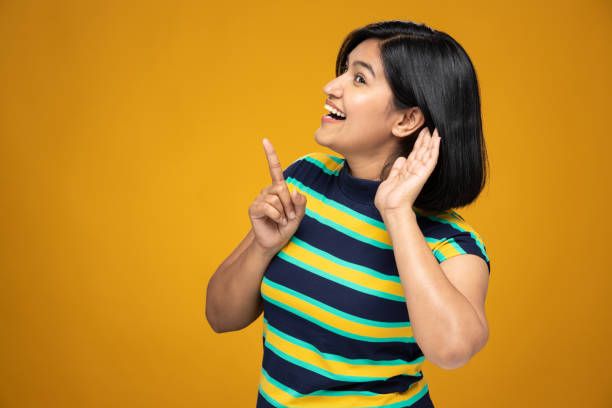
[459, 243]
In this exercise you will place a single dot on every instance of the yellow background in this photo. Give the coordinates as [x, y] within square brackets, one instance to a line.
[131, 149]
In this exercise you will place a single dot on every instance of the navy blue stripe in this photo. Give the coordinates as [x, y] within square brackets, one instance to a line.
[306, 381]
[262, 402]
[335, 294]
[329, 342]
[345, 247]
[468, 244]
[435, 229]
[291, 274]
[327, 184]
[424, 402]
[294, 168]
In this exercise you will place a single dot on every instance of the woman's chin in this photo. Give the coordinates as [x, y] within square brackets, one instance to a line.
[326, 139]
[330, 146]
[318, 138]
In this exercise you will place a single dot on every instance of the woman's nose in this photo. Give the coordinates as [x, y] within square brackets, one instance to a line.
[333, 88]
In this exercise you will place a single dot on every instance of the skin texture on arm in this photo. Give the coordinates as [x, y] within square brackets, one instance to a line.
[448, 321]
[445, 301]
[233, 300]
[469, 274]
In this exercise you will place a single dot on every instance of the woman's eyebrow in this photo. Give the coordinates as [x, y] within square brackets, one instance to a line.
[366, 65]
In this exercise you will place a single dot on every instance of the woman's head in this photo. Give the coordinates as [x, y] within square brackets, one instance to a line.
[421, 77]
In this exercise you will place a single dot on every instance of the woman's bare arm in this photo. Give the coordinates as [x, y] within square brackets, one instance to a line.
[233, 300]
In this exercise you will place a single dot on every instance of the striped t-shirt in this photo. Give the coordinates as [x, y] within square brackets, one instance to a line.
[336, 329]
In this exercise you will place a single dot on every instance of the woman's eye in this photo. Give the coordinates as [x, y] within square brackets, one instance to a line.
[345, 68]
[359, 76]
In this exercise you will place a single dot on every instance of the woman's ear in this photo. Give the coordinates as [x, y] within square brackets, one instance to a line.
[410, 121]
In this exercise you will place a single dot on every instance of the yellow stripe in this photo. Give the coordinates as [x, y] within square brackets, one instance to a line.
[339, 367]
[331, 164]
[348, 221]
[333, 320]
[352, 275]
[326, 401]
[447, 250]
[443, 246]
[325, 210]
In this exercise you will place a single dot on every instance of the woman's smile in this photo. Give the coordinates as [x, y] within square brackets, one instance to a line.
[327, 118]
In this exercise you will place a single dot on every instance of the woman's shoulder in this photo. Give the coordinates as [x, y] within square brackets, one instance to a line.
[325, 158]
[315, 160]
[449, 234]
[450, 222]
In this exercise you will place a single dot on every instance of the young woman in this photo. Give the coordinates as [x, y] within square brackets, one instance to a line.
[359, 263]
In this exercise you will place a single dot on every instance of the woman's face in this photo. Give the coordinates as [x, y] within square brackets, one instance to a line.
[365, 98]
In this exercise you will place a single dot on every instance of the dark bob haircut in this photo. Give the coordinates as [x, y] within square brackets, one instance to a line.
[430, 70]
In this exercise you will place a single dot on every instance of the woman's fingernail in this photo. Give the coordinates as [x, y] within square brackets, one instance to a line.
[292, 215]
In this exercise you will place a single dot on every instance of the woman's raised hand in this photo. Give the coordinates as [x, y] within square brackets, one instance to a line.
[276, 214]
[408, 175]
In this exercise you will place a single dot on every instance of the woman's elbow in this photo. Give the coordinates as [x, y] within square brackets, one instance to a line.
[210, 320]
[455, 357]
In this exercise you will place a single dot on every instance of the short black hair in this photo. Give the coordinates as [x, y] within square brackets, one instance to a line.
[429, 69]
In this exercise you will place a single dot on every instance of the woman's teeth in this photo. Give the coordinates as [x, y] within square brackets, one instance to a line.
[335, 114]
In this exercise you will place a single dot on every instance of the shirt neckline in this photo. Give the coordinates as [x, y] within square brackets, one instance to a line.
[357, 189]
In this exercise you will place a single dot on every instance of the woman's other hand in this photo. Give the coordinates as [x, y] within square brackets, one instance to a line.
[408, 175]
[271, 212]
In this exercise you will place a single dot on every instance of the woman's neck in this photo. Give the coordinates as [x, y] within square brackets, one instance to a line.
[365, 168]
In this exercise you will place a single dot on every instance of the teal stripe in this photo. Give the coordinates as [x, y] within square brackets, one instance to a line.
[346, 231]
[350, 265]
[333, 310]
[269, 398]
[441, 258]
[341, 281]
[335, 357]
[296, 394]
[337, 205]
[438, 254]
[322, 166]
[457, 227]
[455, 245]
[318, 370]
[434, 240]
[338, 160]
[335, 330]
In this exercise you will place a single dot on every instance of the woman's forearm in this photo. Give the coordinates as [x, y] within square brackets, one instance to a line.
[444, 323]
[233, 299]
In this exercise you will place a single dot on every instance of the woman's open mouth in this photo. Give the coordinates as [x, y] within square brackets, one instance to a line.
[334, 114]
[330, 117]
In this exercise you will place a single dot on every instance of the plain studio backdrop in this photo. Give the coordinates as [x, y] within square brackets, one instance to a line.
[131, 150]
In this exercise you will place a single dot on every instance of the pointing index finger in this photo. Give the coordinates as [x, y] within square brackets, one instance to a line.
[276, 171]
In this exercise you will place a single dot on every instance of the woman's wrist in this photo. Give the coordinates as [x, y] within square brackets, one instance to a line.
[260, 252]
[392, 216]
[398, 220]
